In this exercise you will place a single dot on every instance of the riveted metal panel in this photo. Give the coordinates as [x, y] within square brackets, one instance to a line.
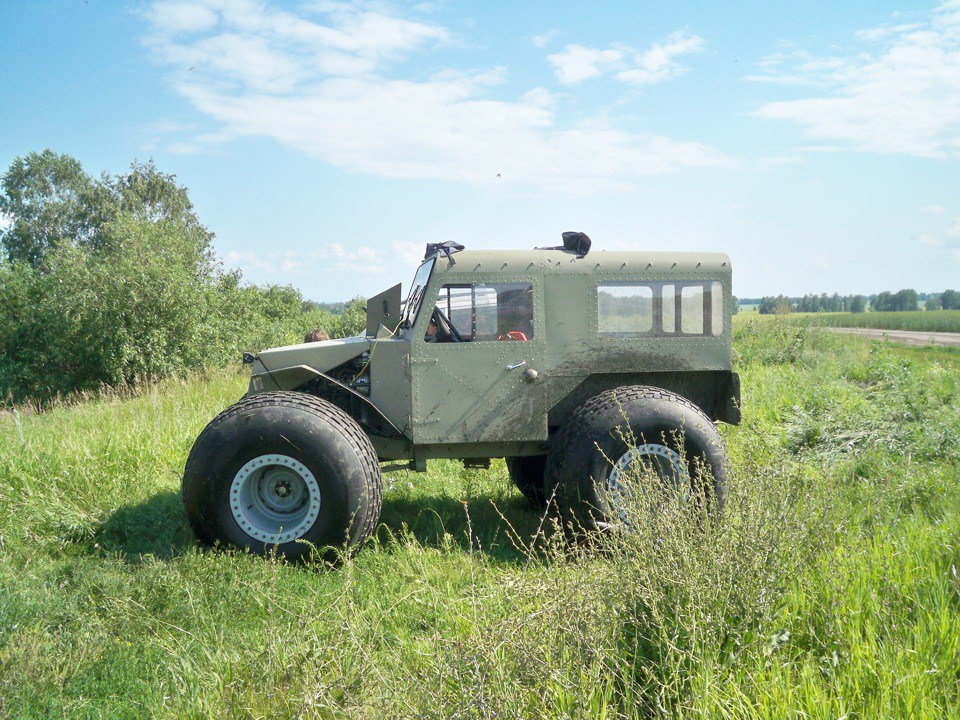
[390, 380]
[478, 391]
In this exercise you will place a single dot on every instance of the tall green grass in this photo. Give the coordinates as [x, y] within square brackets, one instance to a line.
[828, 588]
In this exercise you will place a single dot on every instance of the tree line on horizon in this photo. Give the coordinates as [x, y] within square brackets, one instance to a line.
[112, 281]
[901, 301]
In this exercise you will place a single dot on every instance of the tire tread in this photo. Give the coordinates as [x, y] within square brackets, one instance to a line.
[335, 417]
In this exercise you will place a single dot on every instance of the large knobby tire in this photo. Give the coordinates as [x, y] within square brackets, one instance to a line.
[620, 431]
[527, 473]
[283, 471]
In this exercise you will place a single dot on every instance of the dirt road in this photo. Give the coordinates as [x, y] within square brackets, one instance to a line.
[907, 337]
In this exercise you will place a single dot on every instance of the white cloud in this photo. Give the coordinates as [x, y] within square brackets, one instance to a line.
[658, 63]
[954, 231]
[944, 237]
[408, 253]
[335, 258]
[185, 148]
[577, 63]
[545, 39]
[250, 260]
[325, 84]
[331, 258]
[177, 17]
[767, 163]
[933, 210]
[898, 93]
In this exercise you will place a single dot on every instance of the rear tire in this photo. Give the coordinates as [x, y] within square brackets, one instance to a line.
[614, 434]
[283, 471]
[527, 473]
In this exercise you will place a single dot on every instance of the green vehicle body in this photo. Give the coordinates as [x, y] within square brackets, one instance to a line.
[542, 331]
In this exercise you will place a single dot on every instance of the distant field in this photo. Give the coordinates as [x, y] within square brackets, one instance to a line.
[920, 320]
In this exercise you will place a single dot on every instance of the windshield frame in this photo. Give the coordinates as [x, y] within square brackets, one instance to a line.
[411, 308]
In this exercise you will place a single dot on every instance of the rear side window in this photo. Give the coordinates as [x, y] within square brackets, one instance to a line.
[691, 310]
[637, 309]
[625, 310]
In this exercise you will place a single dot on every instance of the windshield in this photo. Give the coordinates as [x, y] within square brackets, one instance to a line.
[415, 298]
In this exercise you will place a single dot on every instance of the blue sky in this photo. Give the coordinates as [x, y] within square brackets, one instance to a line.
[326, 142]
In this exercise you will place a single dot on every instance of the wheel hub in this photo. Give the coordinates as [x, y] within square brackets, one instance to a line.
[650, 459]
[274, 498]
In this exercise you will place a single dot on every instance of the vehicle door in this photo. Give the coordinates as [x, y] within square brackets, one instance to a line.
[475, 355]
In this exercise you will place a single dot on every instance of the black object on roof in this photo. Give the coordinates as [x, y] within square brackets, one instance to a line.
[447, 248]
[576, 242]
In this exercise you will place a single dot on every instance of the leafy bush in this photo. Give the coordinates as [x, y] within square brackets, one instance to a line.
[114, 281]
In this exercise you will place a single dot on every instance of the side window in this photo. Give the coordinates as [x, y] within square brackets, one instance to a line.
[716, 291]
[668, 308]
[624, 310]
[482, 312]
[656, 309]
[691, 310]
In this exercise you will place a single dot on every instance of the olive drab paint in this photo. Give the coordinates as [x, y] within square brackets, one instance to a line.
[493, 349]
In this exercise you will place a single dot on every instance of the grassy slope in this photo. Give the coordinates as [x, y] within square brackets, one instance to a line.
[829, 588]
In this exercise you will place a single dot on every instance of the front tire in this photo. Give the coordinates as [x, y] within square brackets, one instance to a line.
[619, 433]
[283, 471]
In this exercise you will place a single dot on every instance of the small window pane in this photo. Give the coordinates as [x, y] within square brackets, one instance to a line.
[514, 311]
[625, 310]
[717, 308]
[668, 308]
[691, 310]
[486, 298]
[454, 307]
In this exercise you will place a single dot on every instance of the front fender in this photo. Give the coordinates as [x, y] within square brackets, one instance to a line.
[360, 407]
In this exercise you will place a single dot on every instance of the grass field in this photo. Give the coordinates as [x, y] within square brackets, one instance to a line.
[829, 589]
[922, 321]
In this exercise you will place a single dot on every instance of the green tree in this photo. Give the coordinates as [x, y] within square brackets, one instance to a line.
[114, 281]
[46, 198]
[933, 302]
[778, 305]
[950, 300]
[883, 302]
[858, 303]
[143, 310]
[50, 201]
[145, 193]
[906, 300]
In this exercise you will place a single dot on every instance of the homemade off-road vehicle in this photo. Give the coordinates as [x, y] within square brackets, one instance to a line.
[577, 368]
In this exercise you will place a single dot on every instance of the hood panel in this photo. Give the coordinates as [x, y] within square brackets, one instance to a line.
[322, 356]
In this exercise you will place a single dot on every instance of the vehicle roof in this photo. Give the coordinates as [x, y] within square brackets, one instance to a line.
[560, 261]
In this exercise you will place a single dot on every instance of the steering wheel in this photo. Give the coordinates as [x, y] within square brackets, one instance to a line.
[444, 326]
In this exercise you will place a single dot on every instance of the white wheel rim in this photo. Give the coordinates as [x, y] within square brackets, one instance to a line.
[274, 499]
[664, 461]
